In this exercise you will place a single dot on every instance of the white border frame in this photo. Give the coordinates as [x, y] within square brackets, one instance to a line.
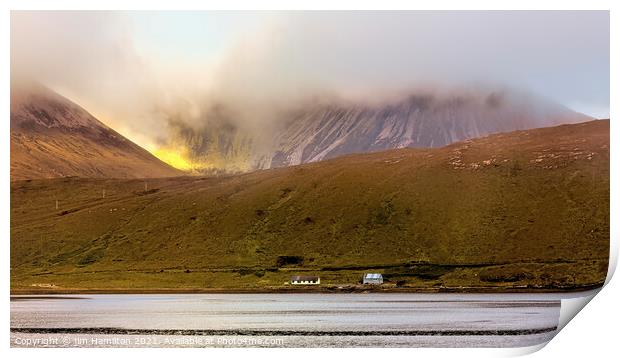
[594, 331]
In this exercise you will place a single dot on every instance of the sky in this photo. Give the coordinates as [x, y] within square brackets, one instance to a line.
[137, 70]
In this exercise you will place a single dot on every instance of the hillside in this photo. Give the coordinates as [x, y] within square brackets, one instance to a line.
[525, 209]
[53, 137]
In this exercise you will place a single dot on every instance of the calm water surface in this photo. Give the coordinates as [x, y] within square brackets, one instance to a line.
[284, 320]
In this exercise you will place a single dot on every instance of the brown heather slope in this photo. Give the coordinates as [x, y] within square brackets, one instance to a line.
[53, 137]
[523, 209]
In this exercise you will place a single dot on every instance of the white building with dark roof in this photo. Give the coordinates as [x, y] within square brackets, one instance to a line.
[305, 280]
[373, 279]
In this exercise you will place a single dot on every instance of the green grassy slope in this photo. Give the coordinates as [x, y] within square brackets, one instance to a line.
[509, 210]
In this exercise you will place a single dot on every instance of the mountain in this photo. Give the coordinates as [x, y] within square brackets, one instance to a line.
[523, 210]
[53, 137]
[319, 131]
[418, 121]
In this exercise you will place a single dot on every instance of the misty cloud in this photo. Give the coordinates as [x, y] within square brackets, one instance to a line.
[296, 57]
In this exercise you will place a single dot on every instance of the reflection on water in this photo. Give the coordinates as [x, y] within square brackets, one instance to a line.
[285, 320]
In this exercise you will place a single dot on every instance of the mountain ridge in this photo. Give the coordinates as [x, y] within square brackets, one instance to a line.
[327, 129]
[52, 136]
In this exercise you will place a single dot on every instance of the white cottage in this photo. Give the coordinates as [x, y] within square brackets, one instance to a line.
[305, 280]
[373, 279]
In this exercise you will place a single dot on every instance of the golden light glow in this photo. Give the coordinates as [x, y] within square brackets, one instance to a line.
[174, 158]
[180, 157]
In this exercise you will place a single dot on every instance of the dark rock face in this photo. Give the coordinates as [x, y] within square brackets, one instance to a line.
[316, 134]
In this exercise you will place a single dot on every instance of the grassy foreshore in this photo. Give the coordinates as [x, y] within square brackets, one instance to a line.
[307, 289]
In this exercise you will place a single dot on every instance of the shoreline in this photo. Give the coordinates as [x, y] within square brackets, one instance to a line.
[314, 289]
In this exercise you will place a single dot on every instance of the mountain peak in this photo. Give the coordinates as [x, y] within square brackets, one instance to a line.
[52, 136]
